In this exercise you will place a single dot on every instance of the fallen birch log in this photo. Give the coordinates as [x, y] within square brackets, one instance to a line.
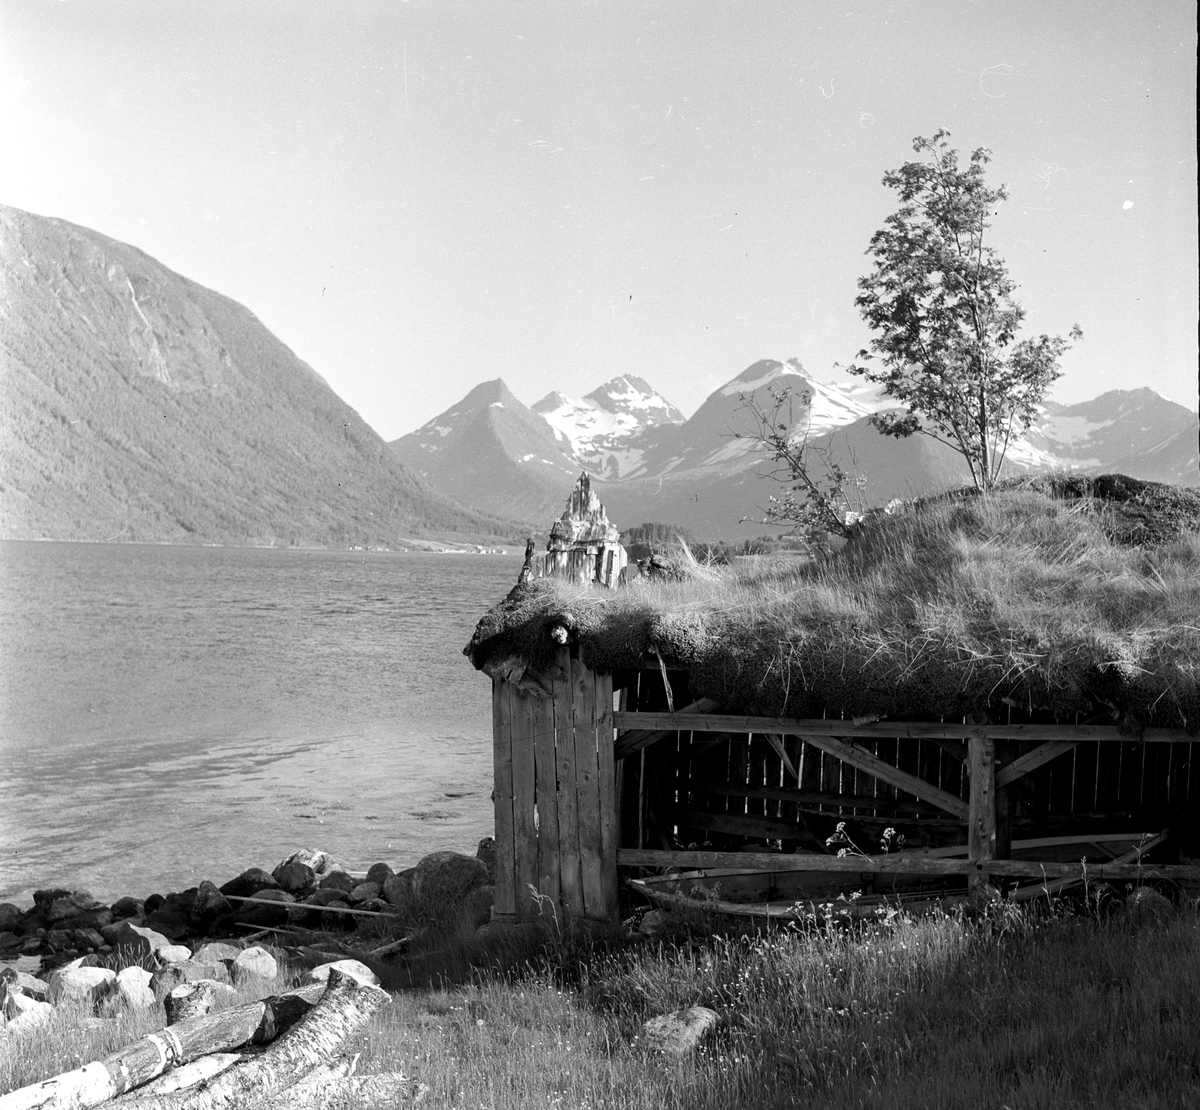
[344, 1008]
[198, 1071]
[362, 1092]
[255, 1022]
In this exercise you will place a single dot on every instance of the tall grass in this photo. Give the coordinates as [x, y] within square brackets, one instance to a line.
[947, 608]
[1017, 1008]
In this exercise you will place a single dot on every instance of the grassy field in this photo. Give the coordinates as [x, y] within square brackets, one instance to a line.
[1020, 1009]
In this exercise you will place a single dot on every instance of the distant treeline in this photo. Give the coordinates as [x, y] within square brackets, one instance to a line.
[644, 540]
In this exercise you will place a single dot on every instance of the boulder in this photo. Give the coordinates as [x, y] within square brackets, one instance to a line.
[353, 968]
[398, 892]
[255, 913]
[1146, 905]
[363, 892]
[335, 921]
[249, 883]
[60, 940]
[42, 899]
[167, 954]
[152, 903]
[322, 863]
[208, 903]
[254, 962]
[88, 938]
[127, 907]
[340, 881]
[325, 897]
[680, 1033]
[444, 879]
[10, 940]
[379, 873]
[12, 918]
[133, 989]
[69, 906]
[75, 983]
[293, 875]
[23, 1013]
[194, 972]
[486, 854]
[21, 982]
[172, 923]
[477, 906]
[216, 952]
[90, 919]
[135, 942]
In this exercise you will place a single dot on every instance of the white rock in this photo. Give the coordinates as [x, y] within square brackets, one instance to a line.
[173, 953]
[678, 1033]
[352, 968]
[133, 988]
[255, 961]
[84, 984]
[26, 1013]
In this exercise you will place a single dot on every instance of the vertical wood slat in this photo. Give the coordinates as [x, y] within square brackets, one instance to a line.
[981, 805]
[587, 787]
[568, 810]
[525, 838]
[546, 784]
[609, 817]
[505, 898]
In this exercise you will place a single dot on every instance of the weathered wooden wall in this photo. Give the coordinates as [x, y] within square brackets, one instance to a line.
[555, 798]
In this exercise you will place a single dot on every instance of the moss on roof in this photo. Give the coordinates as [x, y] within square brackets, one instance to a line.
[1068, 596]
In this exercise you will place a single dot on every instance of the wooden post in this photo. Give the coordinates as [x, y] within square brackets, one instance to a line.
[505, 908]
[981, 808]
[525, 838]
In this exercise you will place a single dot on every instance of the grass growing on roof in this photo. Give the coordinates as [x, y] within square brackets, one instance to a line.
[957, 607]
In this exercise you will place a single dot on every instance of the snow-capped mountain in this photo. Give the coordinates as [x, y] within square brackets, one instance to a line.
[605, 428]
[704, 473]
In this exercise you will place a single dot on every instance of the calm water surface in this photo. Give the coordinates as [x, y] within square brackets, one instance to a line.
[169, 714]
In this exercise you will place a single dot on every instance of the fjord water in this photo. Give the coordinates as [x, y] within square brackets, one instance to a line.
[170, 714]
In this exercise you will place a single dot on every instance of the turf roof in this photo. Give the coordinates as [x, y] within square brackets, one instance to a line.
[1063, 597]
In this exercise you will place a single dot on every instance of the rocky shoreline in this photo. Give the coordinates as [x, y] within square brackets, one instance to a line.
[309, 890]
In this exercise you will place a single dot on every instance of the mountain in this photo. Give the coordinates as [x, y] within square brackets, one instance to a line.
[493, 452]
[1134, 432]
[138, 404]
[607, 428]
[704, 473]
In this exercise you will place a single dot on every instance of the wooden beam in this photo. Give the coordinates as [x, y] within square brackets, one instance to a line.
[1096, 839]
[920, 730]
[897, 865]
[776, 742]
[740, 824]
[1102, 871]
[981, 819]
[902, 780]
[1023, 764]
[637, 739]
[811, 798]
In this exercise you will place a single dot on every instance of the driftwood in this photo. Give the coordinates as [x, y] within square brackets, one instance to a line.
[344, 1008]
[255, 1022]
[188, 1001]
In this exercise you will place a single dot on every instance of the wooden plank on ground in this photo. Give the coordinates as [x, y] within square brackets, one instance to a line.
[1023, 764]
[505, 904]
[932, 730]
[609, 818]
[896, 865]
[568, 809]
[587, 787]
[524, 828]
[546, 783]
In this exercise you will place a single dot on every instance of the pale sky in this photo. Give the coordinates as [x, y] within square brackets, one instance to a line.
[417, 197]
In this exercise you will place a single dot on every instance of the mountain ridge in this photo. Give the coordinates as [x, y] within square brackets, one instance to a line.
[139, 404]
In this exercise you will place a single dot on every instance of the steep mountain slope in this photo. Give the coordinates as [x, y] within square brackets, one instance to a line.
[141, 405]
[1134, 432]
[610, 429]
[492, 451]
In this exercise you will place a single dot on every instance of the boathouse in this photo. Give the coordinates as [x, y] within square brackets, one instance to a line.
[976, 692]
